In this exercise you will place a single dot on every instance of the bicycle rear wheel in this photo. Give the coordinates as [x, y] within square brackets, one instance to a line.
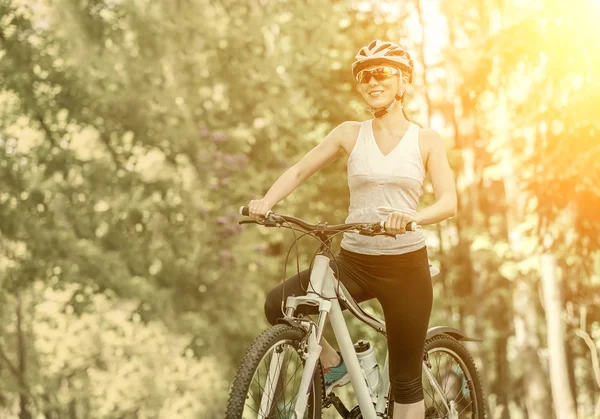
[456, 391]
[268, 379]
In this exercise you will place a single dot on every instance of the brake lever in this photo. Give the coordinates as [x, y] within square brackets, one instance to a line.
[267, 222]
[270, 223]
[376, 231]
[384, 232]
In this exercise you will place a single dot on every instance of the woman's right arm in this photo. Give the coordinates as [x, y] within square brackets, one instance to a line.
[329, 150]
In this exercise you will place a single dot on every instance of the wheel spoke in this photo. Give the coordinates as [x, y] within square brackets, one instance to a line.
[266, 362]
[443, 395]
[278, 390]
[285, 385]
[273, 384]
[460, 413]
[293, 378]
[448, 373]
[278, 348]
[433, 396]
[454, 381]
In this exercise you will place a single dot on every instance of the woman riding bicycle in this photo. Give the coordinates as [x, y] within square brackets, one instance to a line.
[388, 159]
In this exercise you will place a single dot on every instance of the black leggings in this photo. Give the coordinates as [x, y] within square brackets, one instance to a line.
[402, 285]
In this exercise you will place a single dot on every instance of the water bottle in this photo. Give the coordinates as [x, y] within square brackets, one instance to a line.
[368, 362]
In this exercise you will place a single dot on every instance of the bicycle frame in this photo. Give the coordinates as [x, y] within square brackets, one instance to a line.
[323, 282]
[322, 293]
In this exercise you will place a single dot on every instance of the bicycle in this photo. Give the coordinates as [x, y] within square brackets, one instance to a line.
[452, 386]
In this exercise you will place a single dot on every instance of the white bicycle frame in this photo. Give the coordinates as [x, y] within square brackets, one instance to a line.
[322, 293]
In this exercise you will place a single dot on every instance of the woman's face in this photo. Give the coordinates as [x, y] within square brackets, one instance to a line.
[380, 93]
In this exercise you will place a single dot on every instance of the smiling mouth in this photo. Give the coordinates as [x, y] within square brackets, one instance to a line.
[376, 93]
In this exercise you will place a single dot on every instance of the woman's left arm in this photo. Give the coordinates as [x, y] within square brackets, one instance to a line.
[442, 179]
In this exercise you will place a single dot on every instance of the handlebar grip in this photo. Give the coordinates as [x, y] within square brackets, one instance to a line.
[245, 211]
[412, 226]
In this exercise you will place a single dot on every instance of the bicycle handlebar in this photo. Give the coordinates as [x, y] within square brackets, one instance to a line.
[369, 229]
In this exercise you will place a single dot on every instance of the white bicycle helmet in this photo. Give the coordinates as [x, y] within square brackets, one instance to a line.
[380, 52]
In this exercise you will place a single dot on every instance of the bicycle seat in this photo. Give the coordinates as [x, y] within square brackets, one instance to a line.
[433, 270]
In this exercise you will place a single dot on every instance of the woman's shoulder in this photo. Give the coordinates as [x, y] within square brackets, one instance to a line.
[430, 142]
[429, 138]
[348, 134]
[350, 126]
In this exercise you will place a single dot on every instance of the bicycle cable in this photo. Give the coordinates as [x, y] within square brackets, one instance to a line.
[337, 266]
[295, 244]
[328, 251]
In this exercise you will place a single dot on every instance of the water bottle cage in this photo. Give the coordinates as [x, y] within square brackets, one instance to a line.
[366, 373]
[376, 366]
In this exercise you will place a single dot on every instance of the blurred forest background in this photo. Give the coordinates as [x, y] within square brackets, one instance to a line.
[131, 131]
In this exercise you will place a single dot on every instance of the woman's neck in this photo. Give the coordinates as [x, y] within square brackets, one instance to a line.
[393, 121]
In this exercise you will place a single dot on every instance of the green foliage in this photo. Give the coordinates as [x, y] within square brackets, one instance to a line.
[131, 132]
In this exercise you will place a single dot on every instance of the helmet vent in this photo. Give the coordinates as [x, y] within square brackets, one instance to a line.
[399, 53]
[382, 47]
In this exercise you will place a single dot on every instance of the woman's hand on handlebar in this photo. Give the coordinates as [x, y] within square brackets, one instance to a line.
[258, 209]
[397, 223]
[262, 215]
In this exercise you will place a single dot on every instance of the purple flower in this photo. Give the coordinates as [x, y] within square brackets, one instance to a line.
[218, 138]
[230, 160]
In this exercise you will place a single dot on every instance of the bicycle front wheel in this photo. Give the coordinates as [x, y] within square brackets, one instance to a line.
[268, 379]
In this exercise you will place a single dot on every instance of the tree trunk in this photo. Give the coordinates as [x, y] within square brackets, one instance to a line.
[559, 377]
[22, 355]
[538, 399]
[571, 342]
[595, 360]
[3, 399]
[536, 394]
[502, 378]
[49, 413]
[428, 115]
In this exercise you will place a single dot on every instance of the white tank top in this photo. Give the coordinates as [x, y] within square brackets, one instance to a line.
[393, 181]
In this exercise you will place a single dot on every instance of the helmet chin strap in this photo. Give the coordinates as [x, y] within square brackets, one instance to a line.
[379, 112]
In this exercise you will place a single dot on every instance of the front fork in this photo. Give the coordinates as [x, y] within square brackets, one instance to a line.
[311, 354]
[311, 350]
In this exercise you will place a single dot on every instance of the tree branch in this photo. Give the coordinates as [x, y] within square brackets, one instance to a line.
[17, 374]
[583, 334]
[11, 366]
